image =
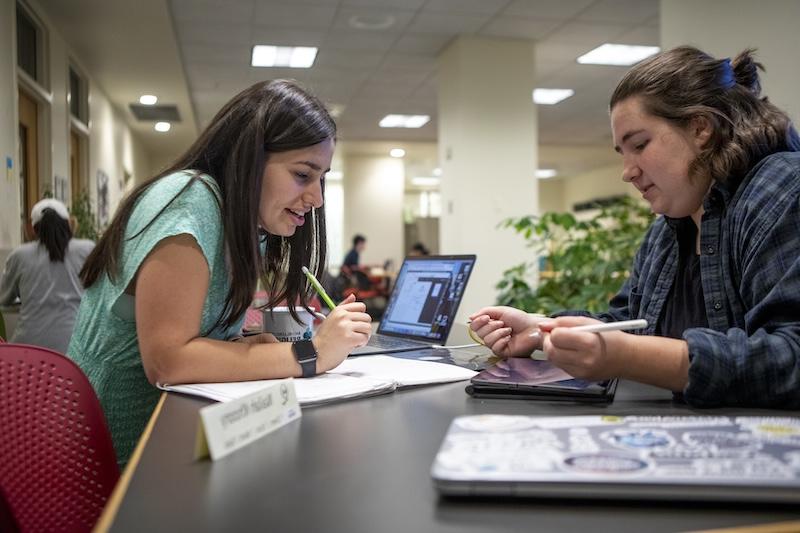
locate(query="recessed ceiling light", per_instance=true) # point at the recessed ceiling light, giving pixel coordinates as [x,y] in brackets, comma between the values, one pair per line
[425,181]
[617,54]
[551,96]
[404,121]
[371,22]
[162,126]
[437,171]
[148,99]
[265,55]
[545,173]
[397,152]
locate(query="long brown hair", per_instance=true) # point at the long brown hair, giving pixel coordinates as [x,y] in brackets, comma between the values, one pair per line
[684,83]
[269,117]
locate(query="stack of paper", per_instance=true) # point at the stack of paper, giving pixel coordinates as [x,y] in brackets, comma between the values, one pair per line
[354,378]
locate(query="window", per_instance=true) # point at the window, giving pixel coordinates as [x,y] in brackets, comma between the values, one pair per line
[29,45]
[78,96]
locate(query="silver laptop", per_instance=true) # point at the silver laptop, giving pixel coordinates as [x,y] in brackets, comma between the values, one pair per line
[423,304]
[688,458]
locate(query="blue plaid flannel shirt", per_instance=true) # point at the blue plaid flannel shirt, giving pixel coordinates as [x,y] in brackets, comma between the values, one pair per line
[750,270]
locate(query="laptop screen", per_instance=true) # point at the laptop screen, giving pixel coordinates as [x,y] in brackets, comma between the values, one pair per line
[425,297]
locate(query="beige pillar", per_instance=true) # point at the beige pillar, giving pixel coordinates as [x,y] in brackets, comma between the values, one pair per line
[373,206]
[723,28]
[488,156]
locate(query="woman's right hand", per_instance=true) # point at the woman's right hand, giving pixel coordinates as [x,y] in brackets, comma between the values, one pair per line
[347,327]
[507,331]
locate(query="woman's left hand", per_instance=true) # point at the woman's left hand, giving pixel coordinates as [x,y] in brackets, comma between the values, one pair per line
[592,356]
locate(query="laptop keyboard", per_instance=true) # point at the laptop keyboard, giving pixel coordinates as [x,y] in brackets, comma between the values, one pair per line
[386,342]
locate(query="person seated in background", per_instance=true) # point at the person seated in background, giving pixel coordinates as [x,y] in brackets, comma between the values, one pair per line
[44,275]
[351,260]
[418,249]
[169,283]
[717,276]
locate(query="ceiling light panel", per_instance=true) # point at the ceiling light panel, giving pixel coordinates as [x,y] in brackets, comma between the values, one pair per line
[265,55]
[617,54]
[404,121]
[546,173]
[551,96]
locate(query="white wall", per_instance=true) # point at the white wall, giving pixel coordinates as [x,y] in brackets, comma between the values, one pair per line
[112,146]
[551,195]
[9,188]
[113,149]
[373,206]
[599,183]
[724,28]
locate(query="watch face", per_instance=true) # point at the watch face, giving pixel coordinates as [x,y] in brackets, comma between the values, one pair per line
[304,349]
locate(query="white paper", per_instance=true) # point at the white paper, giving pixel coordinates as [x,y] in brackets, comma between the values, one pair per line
[354,378]
[310,391]
[404,372]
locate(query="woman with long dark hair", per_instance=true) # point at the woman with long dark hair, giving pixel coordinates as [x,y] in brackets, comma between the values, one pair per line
[43,274]
[718,275]
[170,280]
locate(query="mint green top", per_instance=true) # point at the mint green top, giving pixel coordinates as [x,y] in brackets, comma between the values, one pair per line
[104,342]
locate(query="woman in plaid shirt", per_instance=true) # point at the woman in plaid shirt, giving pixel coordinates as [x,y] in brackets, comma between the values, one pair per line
[718,274]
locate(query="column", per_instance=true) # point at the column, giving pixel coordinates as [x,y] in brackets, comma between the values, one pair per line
[373,206]
[488,156]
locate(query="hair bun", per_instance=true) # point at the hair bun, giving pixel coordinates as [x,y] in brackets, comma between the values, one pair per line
[745,71]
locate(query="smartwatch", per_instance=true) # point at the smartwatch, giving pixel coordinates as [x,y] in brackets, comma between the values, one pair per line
[305,354]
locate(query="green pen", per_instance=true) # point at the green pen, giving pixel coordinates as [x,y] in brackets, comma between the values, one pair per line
[318,287]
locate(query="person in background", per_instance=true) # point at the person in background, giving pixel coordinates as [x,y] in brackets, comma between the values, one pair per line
[170,281]
[351,260]
[418,249]
[43,274]
[718,274]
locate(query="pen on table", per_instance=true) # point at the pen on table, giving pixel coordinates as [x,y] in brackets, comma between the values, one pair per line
[319,289]
[622,325]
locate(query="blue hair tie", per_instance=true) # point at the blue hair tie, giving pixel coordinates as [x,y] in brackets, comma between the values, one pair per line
[727,78]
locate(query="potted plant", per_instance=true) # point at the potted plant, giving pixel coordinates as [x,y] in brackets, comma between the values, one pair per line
[586,261]
[86,226]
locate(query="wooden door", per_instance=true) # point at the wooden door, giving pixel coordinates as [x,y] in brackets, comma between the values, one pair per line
[74,165]
[28,159]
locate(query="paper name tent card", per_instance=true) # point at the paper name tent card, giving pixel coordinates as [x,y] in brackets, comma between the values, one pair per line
[710,458]
[354,378]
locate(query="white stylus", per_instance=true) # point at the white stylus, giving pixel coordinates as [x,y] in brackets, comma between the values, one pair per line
[622,325]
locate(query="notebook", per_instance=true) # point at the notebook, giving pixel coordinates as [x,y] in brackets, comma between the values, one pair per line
[690,458]
[530,379]
[423,304]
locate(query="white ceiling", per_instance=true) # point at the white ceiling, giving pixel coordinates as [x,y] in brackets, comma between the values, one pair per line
[367,73]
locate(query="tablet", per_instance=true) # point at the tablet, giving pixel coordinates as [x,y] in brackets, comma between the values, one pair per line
[529,379]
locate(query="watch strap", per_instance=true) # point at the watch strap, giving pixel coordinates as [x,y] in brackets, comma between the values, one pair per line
[306,355]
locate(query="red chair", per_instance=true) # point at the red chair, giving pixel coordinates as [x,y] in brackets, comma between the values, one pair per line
[57,462]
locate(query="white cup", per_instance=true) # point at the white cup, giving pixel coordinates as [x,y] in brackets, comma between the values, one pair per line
[285,328]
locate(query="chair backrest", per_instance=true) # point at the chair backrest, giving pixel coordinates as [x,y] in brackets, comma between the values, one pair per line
[57,461]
